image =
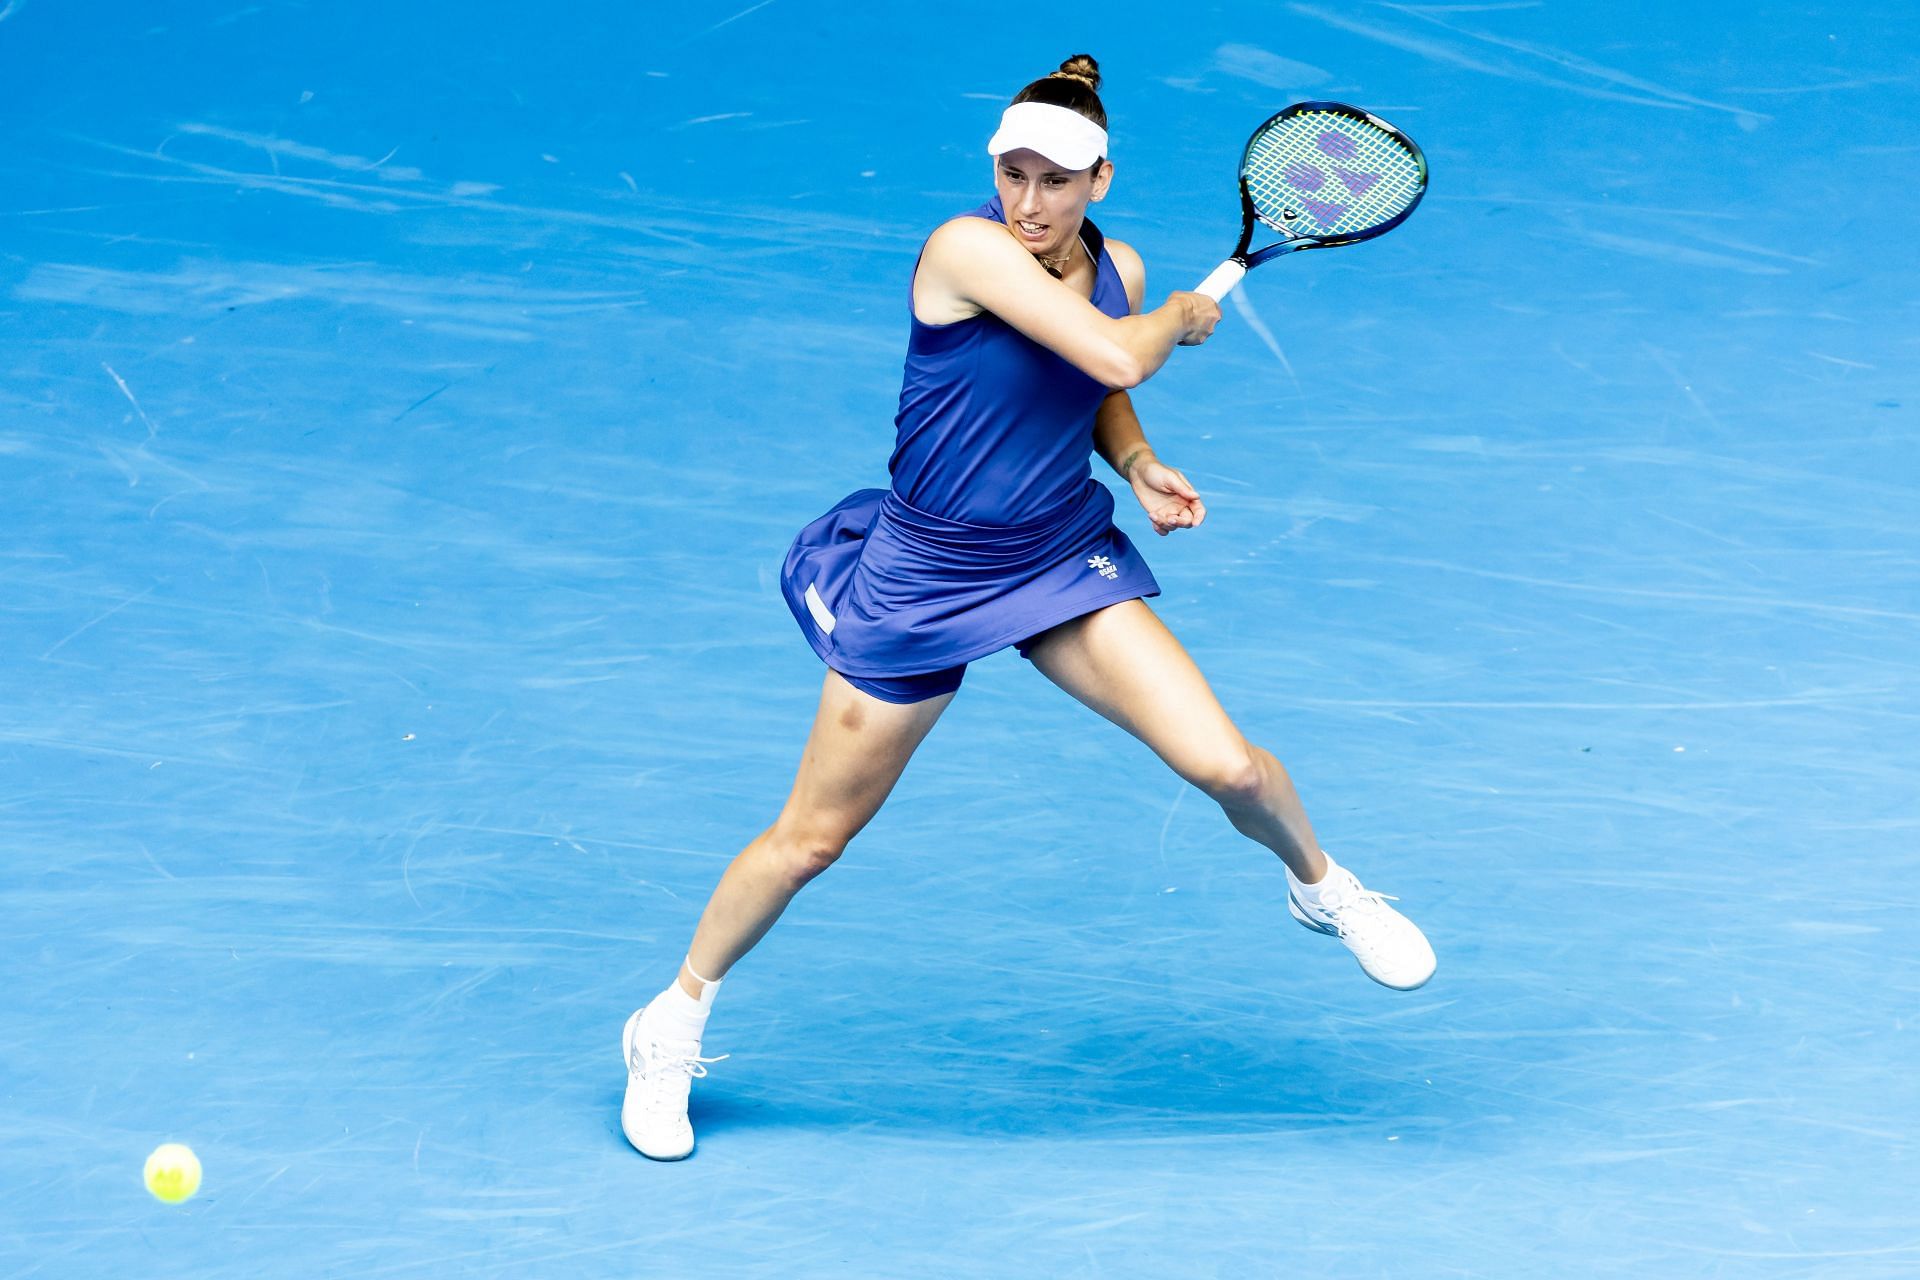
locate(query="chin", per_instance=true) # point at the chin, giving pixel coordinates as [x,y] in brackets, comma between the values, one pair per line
[1053,244]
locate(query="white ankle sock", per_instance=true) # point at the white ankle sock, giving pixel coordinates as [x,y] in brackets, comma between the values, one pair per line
[1310,893]
[678,1015]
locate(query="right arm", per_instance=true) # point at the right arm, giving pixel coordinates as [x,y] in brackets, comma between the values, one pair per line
[974,264]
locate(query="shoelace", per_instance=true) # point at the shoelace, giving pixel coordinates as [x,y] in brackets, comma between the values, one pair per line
[1365,899]
[665,1070]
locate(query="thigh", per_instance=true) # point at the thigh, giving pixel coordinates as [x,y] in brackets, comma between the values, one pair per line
[857,750]
[1123,663]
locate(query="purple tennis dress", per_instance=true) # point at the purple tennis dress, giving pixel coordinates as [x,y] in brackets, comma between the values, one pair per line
[994,528]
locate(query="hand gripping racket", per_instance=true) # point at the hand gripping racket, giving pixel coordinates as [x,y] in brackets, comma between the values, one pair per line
[1321,174]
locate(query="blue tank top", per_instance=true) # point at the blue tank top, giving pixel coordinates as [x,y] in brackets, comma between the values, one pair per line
[993,428]
[994,529]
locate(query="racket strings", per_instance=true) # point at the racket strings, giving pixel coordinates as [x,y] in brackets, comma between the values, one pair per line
[1322,173]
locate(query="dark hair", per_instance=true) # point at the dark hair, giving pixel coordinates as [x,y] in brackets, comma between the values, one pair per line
[1074,86]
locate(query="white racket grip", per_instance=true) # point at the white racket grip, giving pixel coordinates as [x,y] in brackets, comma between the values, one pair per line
[1221,282]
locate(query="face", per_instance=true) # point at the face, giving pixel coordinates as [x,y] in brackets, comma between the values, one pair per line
[1045,204]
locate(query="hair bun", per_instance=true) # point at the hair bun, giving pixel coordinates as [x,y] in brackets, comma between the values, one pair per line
[1080,66]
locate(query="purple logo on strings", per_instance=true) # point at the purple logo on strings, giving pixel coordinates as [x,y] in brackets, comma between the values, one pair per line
[1308,177]
[1305,176]
[1337,145]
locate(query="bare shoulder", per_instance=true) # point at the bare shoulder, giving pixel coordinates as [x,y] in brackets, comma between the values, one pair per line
[961,260]
[966,239]
[1133,272]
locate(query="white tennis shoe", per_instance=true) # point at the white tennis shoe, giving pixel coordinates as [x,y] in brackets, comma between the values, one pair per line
[1390,948]
[659,1076]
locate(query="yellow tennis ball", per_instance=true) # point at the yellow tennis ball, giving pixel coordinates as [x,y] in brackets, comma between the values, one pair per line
[173,1172]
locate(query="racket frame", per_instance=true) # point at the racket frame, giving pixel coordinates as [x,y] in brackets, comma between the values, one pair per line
[1293,241]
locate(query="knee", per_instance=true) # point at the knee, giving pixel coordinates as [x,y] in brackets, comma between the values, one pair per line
[799,852]
[1237,777]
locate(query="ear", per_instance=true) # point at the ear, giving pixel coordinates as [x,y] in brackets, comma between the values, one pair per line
[1102,179]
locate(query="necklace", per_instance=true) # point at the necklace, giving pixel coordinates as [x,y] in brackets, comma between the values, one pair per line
[1056,267]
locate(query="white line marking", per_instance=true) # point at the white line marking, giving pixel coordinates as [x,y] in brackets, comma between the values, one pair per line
[95,622]
[120,382]
[724,21]
[1259,327]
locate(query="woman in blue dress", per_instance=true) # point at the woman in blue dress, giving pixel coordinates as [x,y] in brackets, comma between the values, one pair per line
[1026,332]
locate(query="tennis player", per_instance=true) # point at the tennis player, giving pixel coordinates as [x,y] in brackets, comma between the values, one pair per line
[1026,332]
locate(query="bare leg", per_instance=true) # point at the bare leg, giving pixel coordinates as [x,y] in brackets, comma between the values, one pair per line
[1124,663]
[858,749]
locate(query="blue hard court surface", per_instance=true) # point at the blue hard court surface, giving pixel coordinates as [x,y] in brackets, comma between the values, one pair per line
[405,409]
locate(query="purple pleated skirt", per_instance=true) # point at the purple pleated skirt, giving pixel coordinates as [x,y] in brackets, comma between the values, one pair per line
[883,589]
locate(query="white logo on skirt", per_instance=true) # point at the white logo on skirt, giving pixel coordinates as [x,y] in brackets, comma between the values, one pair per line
[1104,565]
[822,616]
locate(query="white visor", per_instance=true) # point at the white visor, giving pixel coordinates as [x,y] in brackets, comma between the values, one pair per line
[1061,134]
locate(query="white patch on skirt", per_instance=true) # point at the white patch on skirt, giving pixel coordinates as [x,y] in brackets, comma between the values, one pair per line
[818,608]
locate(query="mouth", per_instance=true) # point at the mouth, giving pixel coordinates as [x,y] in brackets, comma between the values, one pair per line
[1031,230]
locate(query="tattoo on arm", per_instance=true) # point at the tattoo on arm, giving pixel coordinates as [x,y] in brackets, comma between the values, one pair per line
[1126,463]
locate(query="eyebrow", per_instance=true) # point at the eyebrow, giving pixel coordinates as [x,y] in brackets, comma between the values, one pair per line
[1045,173]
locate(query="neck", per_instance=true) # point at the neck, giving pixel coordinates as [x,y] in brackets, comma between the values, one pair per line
[1057,267]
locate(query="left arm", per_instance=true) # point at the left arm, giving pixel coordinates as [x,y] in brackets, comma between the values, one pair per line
[1117,436]
[1170,502]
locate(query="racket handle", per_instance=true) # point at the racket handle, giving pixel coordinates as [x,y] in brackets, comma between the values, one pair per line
[1221,282]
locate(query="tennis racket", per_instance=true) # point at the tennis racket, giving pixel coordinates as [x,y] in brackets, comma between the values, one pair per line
[1321,174]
